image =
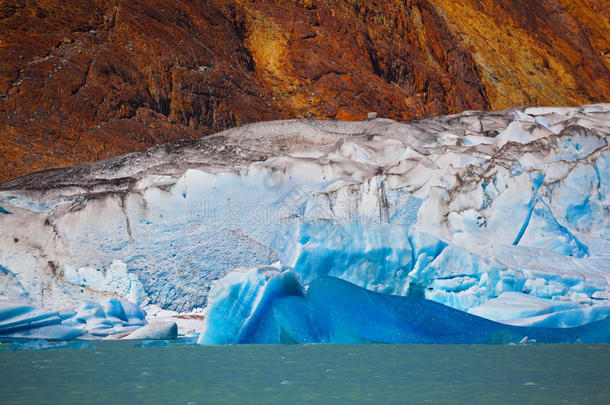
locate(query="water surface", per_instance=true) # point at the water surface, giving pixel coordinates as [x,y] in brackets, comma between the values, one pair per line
[120,372]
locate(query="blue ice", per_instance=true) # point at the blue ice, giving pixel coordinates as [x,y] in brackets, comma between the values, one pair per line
[335,311]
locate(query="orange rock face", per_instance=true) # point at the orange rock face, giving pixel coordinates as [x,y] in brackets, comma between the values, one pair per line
[81,81]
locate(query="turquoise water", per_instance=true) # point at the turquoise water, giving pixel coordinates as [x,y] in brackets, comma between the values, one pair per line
[119,372]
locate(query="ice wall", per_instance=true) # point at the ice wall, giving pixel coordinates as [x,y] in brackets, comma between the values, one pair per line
[463,210]
[270,310]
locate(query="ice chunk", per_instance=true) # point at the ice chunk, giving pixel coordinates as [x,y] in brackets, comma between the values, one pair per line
[238,301]
[50,332]
[89,319]
[155,330]
[8,311]
[19,319]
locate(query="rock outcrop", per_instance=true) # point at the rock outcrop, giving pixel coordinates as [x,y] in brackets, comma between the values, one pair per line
[81,81]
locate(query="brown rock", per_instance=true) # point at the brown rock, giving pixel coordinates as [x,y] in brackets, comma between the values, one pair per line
[81,81]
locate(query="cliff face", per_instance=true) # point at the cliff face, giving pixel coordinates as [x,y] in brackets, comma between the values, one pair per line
[81,81]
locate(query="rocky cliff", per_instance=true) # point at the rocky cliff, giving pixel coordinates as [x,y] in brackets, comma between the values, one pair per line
[81,81]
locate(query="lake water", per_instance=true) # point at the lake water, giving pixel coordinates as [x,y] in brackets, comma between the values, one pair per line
[120,372]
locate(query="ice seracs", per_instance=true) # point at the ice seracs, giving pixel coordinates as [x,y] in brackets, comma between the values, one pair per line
[501,214]
[276,309]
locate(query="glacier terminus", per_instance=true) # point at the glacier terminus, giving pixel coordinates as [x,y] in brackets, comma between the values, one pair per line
[481,227]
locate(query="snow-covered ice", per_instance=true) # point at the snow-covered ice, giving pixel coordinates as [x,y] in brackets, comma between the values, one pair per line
[502,214]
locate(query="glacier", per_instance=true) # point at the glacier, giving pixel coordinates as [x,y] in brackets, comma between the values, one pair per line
[498,215]
[267,305]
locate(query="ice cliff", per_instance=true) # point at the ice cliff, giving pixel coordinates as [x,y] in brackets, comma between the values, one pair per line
[268,305]
[503,215]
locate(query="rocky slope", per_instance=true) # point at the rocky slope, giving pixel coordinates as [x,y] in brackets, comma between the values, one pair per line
[81,81]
